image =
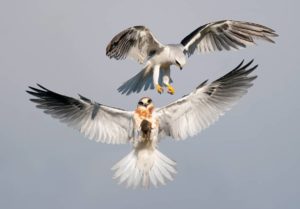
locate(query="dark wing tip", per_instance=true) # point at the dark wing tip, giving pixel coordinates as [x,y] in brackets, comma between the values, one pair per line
[248,64]
[35,91]
[85,99]
[38,91]
[42,87]
[108,49]
[239,65]
[30,92]
[242,70]
[140,27]
[237,81]
[118,46]
[202,84]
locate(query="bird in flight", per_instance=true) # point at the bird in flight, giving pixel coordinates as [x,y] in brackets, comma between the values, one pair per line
[139,43]
[147,125]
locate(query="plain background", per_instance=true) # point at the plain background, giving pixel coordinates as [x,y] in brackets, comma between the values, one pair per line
[248,159]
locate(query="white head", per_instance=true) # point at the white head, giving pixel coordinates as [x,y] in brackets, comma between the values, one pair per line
[177,56]
[145,103]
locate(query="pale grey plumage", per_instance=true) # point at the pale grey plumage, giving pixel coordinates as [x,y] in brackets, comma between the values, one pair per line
[137,42]
[225,35]
[140,44]
[193,113]
[145,165]
[96,121]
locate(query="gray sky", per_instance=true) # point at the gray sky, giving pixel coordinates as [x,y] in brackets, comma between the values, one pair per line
[248,159]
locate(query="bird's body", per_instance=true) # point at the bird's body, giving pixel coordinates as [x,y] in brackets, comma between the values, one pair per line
[147,125]
[139,43]
[145,164]
[161,63]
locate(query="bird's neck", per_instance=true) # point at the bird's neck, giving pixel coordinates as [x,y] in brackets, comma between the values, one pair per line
[144,113]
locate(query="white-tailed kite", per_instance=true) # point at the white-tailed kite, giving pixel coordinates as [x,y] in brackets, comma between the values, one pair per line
[139,43]
[146,125]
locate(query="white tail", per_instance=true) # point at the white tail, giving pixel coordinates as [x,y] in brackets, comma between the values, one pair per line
[144,167]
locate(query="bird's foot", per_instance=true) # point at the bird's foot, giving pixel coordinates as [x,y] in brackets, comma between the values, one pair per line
[171,90]
[159,89]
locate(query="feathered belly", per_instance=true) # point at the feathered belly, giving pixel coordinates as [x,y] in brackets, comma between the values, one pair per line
[161,58]
[146,130]
[145,165]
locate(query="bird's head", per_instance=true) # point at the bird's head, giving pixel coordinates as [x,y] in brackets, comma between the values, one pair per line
[179,58]
[179,64]
[145,104]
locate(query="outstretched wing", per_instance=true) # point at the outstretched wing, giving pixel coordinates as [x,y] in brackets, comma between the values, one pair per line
[225,34]
[96,121]
[191,114]
[136,42]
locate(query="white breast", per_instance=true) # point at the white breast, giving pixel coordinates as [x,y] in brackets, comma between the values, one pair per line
[162,58]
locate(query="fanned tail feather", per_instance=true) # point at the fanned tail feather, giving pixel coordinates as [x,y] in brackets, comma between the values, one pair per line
[144,168]
[141,80]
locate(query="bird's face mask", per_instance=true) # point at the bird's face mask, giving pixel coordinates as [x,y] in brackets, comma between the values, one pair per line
[145,107]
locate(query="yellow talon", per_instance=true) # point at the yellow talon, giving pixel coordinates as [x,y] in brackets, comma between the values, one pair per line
[159,89]
[171,90]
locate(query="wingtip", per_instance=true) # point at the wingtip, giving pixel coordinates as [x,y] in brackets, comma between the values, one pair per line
[42,87]
[251,61]
[202,84]
[247,64]
[239,65]
[29,87]
[33,88]
[28,92]
[127,94]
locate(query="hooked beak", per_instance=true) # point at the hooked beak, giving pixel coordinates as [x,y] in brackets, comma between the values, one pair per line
[180,67]
[178,64]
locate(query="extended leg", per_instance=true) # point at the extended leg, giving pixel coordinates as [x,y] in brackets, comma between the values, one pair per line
[166,81]
[156,72]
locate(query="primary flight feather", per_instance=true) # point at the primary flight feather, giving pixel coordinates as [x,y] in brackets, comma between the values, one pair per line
[146,125]
[139,43]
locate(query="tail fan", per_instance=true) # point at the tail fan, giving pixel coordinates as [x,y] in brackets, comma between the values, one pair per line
[144,168]
[140,80]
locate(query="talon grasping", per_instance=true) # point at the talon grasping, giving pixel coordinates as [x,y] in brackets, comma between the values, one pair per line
[171,90]
[159,89]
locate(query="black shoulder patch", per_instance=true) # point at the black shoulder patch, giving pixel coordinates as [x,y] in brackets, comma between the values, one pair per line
[151,53]
[189,37]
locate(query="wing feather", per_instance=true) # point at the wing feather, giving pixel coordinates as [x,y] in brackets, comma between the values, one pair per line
[136,42]
[226,34]
[96,121]
[198,110]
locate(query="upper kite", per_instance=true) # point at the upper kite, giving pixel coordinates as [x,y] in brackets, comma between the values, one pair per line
[139,43]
